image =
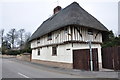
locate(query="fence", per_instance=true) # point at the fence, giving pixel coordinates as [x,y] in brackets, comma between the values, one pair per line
[111,58]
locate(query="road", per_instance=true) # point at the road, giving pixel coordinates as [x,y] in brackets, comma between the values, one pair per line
[0,67]
[11,68]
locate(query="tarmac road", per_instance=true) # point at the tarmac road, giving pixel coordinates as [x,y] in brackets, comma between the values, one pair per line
[12,68]
[15,69]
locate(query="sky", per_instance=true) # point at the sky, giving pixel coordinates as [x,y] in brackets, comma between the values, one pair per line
[119,18]
[29,14]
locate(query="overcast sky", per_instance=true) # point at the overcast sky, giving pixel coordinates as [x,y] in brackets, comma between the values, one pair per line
[119,18]
[29,14]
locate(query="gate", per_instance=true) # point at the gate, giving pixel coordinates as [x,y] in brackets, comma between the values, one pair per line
[111,58]
[81,59]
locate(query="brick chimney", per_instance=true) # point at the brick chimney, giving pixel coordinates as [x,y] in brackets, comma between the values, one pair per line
[57,9]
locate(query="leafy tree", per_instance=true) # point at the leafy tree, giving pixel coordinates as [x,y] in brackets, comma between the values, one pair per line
[112,40]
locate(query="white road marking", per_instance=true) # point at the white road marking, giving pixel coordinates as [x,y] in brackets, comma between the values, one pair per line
[23,75]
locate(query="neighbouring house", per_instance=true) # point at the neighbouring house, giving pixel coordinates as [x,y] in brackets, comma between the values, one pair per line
[62,40]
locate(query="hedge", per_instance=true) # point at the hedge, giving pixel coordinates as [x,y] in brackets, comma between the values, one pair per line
[13,52]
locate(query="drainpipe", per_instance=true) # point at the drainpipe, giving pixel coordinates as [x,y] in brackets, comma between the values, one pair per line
[90,34]
[91,61]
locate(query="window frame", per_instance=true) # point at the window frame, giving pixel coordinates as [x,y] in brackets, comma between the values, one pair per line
[66,30]
[49,36]
[90,31]
[38,52]
[38,41]
[54,51]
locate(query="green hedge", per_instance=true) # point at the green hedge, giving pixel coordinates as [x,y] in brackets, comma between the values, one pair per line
[13,52]
[16,52]
[26,51]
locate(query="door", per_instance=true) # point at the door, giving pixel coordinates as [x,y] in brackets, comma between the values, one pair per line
[81,59]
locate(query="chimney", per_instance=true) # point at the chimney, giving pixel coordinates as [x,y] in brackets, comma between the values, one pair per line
[57,9]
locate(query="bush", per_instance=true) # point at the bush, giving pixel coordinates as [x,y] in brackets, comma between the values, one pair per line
[13,52]
[28,50]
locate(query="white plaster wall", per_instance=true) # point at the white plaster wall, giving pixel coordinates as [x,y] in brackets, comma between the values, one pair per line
[60,36]
[34,54]
[63,55]
[34,44]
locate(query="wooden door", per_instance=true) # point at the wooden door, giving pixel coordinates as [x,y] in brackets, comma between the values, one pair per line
[81,59]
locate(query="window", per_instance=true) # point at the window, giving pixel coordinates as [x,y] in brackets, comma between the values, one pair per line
[38,41]
[49,36]
[90,31]
[38,52]
[54,51]
[66,31]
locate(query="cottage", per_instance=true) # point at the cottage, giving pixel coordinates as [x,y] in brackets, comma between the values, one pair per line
[62,40]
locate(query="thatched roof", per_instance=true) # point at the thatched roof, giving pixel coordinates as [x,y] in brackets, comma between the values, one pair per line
[73,14]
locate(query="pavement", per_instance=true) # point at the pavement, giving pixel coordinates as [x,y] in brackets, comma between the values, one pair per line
[13,68]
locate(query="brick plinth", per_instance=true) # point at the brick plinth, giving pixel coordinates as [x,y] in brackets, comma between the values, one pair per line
[54,64]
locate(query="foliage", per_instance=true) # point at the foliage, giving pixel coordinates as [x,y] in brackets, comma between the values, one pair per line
[12,36]
[12,52]
[1,35]
[5,46]
[26,48]
[112,40]
[15,42]
[21,32]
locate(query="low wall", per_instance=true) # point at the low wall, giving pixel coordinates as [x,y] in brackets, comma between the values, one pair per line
[25,57]
[7,56]
[53,64]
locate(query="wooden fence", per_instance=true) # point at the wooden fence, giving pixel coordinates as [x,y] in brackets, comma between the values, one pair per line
[111,58]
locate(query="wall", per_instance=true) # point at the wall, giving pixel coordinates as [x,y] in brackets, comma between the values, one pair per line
[68,34]
[63,55]
[25,57]
[64,52]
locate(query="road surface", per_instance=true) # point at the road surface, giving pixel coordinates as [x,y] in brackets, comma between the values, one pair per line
[11,68]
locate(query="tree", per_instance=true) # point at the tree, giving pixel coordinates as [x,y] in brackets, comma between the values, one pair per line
[12,35]
[111,41]
[1,35]
[26,45]
[27,36]
[1,39]
[5,46]
[21,32]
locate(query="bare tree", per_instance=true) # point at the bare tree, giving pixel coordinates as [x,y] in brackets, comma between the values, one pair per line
[1,39]
[12,35]
[27,36]
[1,35]
[27,43]
[21,34]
